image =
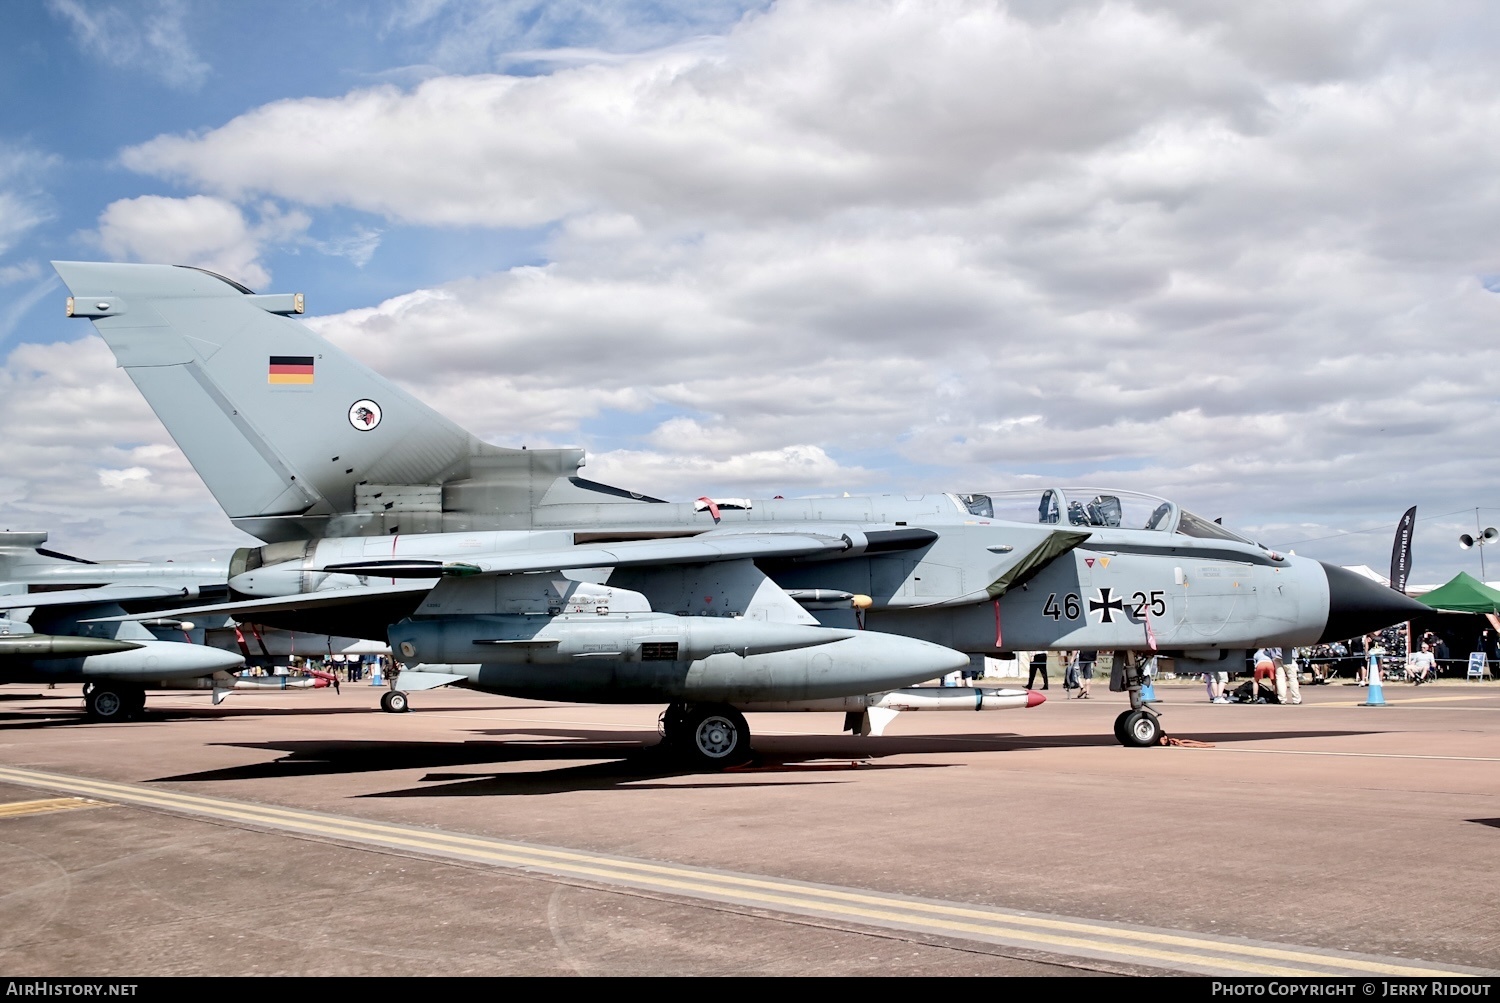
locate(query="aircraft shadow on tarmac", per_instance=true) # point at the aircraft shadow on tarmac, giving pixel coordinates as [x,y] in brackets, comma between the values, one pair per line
[626,759]
[71,713]
[602,760]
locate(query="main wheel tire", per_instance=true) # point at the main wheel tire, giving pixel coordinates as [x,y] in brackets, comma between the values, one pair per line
[1121,723]
[396,702]
[716,737]
[1142,729]
[674,724]
[107,703]
[135,702]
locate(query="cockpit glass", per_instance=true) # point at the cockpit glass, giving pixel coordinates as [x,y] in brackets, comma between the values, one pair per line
[1090,508]
[1193,525]
[979,505]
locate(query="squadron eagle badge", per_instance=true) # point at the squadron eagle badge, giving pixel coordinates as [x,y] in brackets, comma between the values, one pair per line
[364,415]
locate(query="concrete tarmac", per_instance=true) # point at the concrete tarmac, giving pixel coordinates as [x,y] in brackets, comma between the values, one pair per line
[304,832]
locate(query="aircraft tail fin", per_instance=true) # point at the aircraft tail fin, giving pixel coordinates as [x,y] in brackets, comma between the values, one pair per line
[294,438]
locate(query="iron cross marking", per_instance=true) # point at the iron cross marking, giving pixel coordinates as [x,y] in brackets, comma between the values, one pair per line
[1105,604]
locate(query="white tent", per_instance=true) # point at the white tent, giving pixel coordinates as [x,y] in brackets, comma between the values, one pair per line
[1364,570]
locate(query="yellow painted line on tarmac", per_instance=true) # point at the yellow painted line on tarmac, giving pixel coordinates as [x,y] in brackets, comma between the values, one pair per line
[1466,696]
[1174,949]
[16,809]
[1352,755]
[1471,709]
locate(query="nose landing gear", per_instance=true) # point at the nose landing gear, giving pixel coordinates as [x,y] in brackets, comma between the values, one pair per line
[1136,727]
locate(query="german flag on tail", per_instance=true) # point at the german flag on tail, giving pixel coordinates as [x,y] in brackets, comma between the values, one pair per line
[290,369]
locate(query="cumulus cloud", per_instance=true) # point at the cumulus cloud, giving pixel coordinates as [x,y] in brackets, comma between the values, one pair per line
[199,230]
[795,470]
[135,481]
[100,473]
[1132,242]
[1238,257]
[816,108]
[150,37]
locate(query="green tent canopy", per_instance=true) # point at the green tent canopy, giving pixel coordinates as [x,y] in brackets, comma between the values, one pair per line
[1464,594]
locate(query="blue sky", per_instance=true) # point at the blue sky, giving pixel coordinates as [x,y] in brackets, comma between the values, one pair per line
[1238,258]
[71,108]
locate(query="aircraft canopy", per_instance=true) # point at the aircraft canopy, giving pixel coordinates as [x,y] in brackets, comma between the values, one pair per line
[1103,508]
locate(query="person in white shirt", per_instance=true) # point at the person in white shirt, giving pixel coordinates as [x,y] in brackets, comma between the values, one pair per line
[1420,665]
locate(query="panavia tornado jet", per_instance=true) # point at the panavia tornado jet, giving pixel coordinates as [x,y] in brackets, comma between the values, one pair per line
[116,662]
[505,570]
[47,600]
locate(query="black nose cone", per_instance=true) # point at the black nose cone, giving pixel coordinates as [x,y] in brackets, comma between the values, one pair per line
[1357,605]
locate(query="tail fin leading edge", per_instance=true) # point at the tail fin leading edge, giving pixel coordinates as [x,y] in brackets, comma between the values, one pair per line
[294,438]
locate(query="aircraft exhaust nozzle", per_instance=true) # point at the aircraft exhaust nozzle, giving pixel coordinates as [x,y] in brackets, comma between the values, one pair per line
[275,580]
[1358,605]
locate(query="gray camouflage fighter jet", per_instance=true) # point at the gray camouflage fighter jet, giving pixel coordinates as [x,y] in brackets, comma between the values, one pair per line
[506,570]
[118,662]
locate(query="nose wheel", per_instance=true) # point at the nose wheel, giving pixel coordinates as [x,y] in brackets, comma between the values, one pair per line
[1138,728]
[394,702]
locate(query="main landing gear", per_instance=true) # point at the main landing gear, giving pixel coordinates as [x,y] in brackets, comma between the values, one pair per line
[1137,726]
[710,736]
[110,701]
